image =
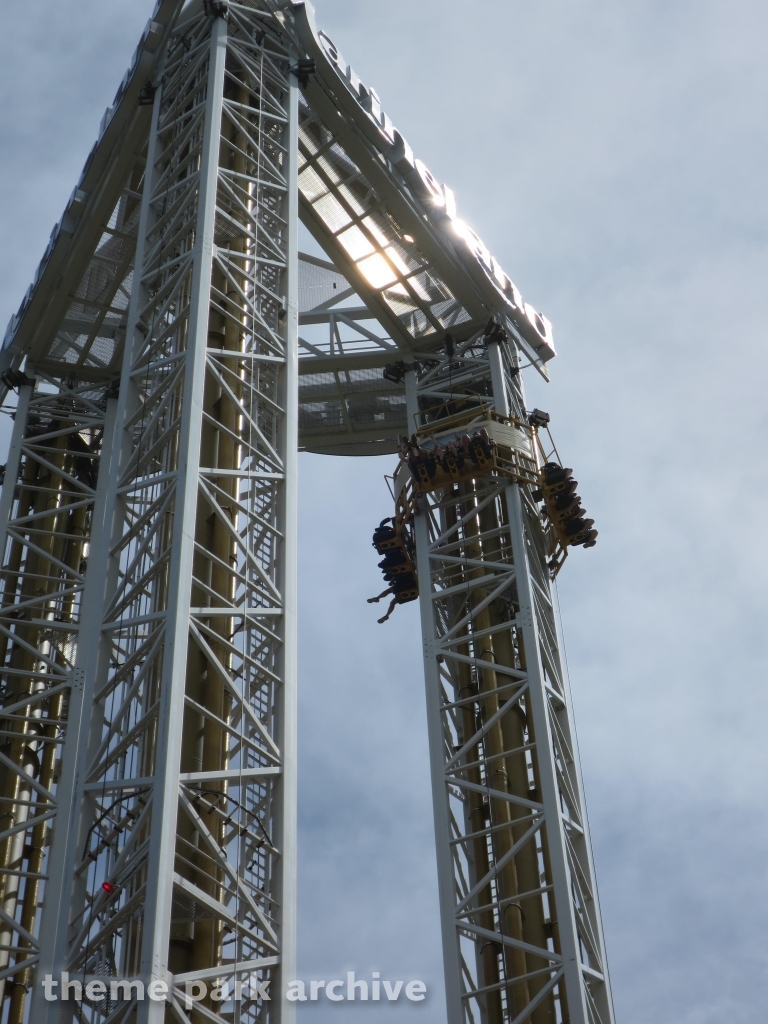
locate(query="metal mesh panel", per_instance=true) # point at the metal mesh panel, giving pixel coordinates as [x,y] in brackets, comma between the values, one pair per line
[365,231]
[91,331]
[318,285]
[352,401]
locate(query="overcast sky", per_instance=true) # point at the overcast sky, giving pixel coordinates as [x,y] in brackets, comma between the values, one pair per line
[612,155]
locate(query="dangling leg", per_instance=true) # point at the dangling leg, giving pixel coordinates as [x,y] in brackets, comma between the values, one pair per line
[385,593]
[389,611]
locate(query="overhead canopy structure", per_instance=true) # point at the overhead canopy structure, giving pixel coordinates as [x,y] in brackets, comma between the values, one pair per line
[173,354]
[404,270]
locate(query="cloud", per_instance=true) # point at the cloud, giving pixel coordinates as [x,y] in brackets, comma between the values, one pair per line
[613,157]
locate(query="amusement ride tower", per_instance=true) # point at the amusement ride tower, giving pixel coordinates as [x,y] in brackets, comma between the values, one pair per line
[173,353]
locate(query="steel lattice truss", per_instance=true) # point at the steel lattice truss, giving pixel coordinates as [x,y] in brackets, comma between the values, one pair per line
[178,799]
[148,543]
[521,927]
[47,508]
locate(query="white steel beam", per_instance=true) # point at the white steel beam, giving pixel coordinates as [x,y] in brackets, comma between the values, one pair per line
[521,928]
[182,794]
[148,610]
[48,508]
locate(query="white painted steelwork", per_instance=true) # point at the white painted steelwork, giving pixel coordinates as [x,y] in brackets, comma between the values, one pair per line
[521,927]
[148,535]
[181,793]
[49,501]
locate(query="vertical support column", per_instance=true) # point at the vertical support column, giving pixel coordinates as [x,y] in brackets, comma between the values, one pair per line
[7,498]
[47,509]
[435,731]
[289,576]
[92,650]
[550,796]
[14,459]
[170,715]
[56,907]
[518,901]
[569,848]
[180,864]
